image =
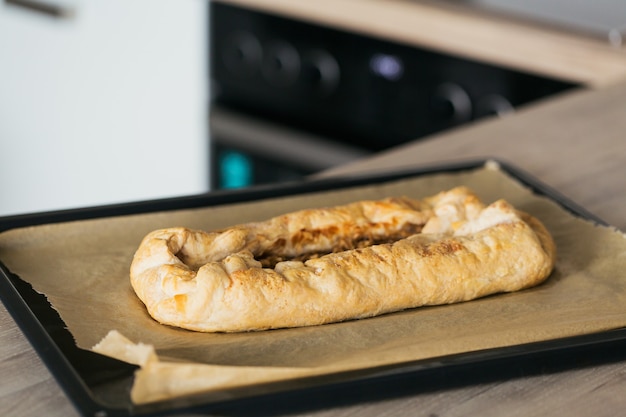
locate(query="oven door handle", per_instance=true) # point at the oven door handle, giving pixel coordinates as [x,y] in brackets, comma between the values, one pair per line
[279,143]
[44,7]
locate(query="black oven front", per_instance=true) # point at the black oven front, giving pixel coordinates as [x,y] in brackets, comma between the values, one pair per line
[291,98]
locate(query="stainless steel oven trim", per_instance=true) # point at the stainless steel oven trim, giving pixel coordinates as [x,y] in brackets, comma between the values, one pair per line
[277,142]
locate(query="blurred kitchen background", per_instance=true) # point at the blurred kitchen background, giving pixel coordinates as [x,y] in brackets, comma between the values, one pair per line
[108,101]
[102,101]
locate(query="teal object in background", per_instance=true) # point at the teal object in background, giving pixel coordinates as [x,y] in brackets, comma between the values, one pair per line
[236,170]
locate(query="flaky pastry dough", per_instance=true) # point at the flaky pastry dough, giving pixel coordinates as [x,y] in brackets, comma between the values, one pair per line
[327,265]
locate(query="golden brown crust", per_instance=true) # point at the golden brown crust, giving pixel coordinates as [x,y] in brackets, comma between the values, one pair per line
[316,266]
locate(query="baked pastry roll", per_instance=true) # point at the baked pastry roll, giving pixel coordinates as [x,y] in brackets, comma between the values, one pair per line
[326,265]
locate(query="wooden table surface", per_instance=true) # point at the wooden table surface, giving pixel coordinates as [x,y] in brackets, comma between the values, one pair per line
[575,143]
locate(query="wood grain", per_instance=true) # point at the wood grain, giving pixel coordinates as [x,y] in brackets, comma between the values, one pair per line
[568,393]
[26,386]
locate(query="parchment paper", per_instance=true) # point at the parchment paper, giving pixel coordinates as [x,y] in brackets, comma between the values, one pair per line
[82,267]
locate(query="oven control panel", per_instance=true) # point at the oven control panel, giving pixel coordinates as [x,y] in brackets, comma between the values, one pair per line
[365,91]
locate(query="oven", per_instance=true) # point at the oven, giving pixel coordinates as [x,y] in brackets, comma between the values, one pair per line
[291,98]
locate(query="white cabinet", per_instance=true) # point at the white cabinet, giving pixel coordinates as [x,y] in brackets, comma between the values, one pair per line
[107,105]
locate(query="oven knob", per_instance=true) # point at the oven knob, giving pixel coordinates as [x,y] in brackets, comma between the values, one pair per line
[493,105]
[451,103]
[241,53]
[281,64]
[320,71]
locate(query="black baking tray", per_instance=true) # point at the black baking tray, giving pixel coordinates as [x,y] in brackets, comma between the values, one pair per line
[99,386]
